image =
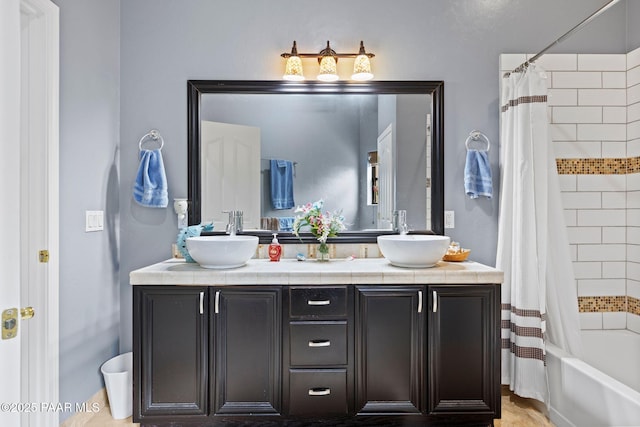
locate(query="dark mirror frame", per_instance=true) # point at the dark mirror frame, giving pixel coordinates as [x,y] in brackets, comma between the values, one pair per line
[435,88]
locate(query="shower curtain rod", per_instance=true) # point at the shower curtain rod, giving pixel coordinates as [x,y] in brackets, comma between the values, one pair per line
[566,35]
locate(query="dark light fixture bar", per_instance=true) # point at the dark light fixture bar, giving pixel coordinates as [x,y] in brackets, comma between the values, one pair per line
[319,54]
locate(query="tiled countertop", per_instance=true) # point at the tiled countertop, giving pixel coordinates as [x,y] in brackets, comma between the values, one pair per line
[311,272]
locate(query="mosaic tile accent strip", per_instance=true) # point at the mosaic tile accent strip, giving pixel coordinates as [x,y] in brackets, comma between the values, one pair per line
[634,305]
[602,304]
[633,165]
[610,166]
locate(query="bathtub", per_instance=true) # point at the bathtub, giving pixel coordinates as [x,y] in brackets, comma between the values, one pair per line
[582,395]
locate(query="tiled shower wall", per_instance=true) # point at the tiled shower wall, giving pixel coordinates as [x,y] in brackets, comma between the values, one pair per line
[594,111]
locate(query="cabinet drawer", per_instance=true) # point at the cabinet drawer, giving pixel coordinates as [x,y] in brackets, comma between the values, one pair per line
[318,343]
[318,301]
[321,391]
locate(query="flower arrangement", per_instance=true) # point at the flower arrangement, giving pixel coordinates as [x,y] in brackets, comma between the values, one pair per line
[321,224]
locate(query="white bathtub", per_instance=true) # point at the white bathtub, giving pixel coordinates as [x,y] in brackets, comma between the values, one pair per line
[583,395]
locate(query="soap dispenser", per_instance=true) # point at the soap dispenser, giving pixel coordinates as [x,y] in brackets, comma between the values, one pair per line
[275,250]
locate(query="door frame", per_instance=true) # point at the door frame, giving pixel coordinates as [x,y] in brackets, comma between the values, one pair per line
[42,339]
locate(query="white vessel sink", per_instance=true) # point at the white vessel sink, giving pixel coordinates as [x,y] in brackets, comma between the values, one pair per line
[222,251]
[413,250]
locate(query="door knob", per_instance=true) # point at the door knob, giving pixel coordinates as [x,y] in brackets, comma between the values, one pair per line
[27,313]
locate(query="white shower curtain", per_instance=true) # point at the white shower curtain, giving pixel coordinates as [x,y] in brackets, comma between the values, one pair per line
[539,299]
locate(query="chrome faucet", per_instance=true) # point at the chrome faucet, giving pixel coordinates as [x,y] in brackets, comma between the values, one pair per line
[235,222]
[400,221]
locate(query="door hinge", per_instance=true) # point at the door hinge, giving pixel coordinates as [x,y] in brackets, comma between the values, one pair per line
[43,255]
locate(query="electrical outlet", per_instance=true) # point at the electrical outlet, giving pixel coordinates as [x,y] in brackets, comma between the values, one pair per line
[449,219]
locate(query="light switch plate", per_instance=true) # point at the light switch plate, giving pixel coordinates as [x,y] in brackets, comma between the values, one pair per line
[94,221]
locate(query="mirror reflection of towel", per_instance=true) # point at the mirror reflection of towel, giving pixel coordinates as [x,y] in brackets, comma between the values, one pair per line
[282,184]
[150,186]
[285,223]
[477,175]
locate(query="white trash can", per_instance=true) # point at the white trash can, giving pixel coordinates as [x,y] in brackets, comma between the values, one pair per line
[118,379]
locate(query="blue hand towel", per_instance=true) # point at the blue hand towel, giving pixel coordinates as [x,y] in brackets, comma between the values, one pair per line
[286,223]
[477,175]
[150,187]
[282,184]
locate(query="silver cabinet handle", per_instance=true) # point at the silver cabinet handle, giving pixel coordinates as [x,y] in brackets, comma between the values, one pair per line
[319,302]
[201,302]
[217,303]
[323,343]
[319,391]
[435,301]
[419,301]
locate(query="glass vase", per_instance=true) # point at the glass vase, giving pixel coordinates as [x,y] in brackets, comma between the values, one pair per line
[323,252]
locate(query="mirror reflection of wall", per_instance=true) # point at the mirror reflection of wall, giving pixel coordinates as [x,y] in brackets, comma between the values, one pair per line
[328,137]
[409,115]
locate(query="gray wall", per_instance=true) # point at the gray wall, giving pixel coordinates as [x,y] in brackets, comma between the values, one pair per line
[89,135]
[633,24]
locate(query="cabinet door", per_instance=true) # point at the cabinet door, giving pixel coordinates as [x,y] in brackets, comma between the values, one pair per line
[247,353]
[170,351]
[464,352]
[389,355]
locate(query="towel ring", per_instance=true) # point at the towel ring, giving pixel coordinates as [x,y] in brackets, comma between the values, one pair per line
[476,136]
[153,135]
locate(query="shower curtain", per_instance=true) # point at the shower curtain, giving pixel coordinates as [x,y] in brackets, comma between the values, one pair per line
[539,297]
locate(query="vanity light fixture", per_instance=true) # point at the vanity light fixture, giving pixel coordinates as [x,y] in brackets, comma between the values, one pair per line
[328,58]
[293,69]
[328,65]
[362,65]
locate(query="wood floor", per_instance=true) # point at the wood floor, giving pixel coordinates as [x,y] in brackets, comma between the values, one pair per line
[516,412]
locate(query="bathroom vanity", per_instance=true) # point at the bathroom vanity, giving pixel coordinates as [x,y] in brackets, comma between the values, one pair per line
[348,342]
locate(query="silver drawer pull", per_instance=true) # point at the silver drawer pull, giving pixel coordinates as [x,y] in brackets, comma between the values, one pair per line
[319,302]
[322,343]
[319,391]
[435,301]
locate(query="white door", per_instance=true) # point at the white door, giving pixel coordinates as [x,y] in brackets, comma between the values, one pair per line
[230,165]
[10,213]
[29,172]
[386,179]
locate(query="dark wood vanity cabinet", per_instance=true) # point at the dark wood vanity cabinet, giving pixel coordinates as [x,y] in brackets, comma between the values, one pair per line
[389,349]
[464,350]
[171,361]
[318,378]
[246,347]
[354,354]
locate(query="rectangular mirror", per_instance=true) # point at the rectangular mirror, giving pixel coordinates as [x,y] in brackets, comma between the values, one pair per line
[324,134]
